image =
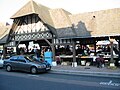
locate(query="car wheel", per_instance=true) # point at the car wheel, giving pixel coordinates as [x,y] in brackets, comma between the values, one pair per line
[8,68]
[33,70]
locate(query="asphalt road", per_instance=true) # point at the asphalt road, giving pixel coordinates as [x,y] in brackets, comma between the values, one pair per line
[49,81]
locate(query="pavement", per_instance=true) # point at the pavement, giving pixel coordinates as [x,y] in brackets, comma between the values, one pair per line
[86,71]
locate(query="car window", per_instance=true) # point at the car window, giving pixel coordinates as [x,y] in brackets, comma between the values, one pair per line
[21,57]
[28,58]
[13,59]
[20,60]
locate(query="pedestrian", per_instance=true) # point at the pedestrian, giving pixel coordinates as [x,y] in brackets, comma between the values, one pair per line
[38,54]
[58,60]
[100,61]
[35,50]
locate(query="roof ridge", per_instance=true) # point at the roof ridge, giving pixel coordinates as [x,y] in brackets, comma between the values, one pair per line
[28,8]
[33,9]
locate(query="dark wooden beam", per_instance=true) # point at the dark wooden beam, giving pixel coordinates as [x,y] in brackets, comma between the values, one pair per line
[74,51]
[4,51]
[53,49]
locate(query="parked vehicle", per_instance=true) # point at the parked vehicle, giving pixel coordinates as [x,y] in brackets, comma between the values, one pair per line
[1,52]
[1,61]
[24,63]
[48,66]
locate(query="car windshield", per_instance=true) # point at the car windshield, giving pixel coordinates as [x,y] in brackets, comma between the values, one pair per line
[28,58]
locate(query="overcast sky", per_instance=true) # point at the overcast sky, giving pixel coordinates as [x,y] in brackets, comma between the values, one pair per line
[10,7]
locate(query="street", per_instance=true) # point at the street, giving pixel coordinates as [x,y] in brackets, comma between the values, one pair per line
[50,81]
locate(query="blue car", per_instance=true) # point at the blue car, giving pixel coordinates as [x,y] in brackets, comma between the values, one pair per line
[25,63]
[35,58]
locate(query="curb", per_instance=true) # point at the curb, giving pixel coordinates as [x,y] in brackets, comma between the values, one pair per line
[86,73]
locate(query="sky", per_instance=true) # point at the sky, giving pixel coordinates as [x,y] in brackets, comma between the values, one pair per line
[10,7]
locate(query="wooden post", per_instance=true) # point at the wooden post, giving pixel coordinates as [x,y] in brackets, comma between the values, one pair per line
[95,48]
[74,52]
[53,49]
[111,51]
[74,63]
[27,44]
[4,51]
[17,49]
[112,64]
[119,48]
[94,41]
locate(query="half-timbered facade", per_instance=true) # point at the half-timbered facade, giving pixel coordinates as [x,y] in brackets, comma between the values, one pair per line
[31,27]
[37,23]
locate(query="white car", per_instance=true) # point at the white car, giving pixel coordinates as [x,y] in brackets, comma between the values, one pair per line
[1,61]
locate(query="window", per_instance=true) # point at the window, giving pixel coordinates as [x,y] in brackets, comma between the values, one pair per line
[14,58]
[20,60]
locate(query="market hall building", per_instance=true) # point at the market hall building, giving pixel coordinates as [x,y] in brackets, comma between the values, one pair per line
[55,27]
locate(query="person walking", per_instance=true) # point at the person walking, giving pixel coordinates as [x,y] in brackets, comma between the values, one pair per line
[100,61]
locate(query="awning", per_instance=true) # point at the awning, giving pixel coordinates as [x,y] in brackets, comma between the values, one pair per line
[107,42]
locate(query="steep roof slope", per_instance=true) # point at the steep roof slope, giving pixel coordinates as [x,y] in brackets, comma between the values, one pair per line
[25,10]
[4,33]
[99,23]
[57,18]
[60,18]
[90,24]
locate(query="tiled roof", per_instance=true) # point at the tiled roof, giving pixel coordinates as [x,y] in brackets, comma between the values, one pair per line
[99,23]
[90,24]
[57,18]
[4,33]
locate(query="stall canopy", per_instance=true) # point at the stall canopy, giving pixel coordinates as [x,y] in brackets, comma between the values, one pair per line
[107,42]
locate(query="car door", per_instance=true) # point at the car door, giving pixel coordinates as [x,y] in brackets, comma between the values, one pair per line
[14,63]
[23,64]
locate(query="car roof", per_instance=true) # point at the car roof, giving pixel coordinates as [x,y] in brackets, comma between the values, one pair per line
[17,57]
